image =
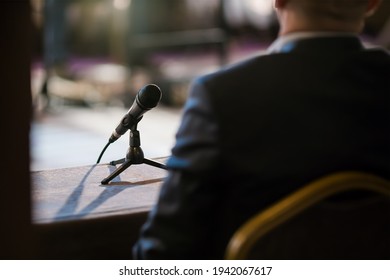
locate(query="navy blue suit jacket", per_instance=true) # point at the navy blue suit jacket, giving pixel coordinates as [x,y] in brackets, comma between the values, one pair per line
[256,131]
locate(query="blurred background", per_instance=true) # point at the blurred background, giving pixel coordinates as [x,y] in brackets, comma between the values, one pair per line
[91,57]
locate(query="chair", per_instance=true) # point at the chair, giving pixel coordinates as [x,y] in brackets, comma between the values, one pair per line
[344,215]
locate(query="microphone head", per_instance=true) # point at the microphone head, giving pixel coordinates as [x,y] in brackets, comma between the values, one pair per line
[148,97]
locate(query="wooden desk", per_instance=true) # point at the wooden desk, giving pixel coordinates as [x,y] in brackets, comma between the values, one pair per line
[78,218]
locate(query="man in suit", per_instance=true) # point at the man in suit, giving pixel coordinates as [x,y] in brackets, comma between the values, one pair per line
[316,103]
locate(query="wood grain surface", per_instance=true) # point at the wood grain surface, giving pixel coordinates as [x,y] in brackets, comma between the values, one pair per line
[76,193]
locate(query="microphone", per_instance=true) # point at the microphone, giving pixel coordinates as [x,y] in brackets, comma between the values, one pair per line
[146,99]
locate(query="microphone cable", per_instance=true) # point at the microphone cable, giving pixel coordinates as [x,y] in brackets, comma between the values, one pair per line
[101,154]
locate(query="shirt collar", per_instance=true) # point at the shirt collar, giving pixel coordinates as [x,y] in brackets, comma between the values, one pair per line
[283,42]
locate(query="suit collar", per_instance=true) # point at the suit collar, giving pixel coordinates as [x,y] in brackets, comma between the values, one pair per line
[316,41]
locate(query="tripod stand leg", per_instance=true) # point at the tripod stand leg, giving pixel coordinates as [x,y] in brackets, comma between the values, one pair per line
[154,163]
[118,171]
[119,161]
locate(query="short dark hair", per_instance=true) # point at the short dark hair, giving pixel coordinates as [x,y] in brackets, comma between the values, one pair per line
[340,10]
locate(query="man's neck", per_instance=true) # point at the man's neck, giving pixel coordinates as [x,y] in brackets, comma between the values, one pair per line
[291,23]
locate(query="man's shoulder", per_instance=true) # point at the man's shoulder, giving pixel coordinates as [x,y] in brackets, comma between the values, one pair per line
[259,63]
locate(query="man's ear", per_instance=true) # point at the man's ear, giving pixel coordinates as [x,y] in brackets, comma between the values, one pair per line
[280,3]
[372,6]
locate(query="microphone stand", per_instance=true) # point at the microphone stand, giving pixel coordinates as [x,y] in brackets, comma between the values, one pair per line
[134,155]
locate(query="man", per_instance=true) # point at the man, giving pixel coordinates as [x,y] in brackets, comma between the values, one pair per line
[317,103]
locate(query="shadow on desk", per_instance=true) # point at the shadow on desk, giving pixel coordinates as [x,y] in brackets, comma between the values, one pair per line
[75,217]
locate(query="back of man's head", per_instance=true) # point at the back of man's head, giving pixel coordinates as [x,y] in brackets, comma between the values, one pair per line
[339,10]
[336,15]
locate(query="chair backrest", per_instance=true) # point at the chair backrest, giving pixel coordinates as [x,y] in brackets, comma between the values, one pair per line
[313,223]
